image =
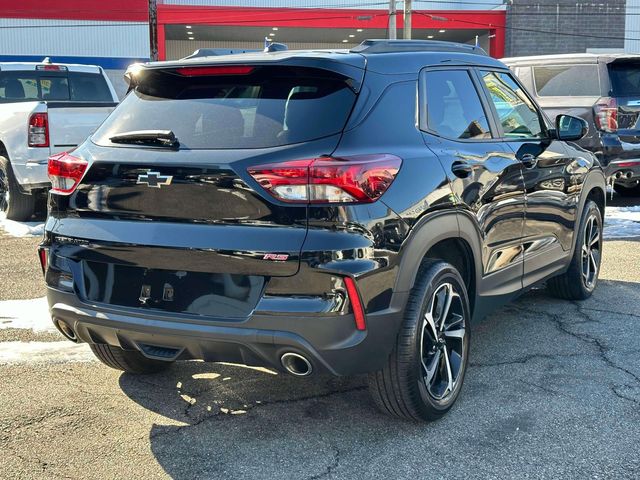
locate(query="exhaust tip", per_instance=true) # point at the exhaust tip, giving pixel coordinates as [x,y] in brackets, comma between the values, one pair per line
[628,175]
[66,330]
[296,364]
[618,175]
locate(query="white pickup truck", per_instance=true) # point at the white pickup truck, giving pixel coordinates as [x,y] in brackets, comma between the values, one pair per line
[45,108]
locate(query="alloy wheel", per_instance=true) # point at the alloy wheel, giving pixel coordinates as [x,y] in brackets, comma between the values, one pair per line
[591,247]
[442,342]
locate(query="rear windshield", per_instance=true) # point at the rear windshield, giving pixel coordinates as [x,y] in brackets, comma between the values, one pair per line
[567,81]
[268,107]
[625,79]
[24,86]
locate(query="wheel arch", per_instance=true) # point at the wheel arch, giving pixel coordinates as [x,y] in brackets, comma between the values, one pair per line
[593,188]
[448,236]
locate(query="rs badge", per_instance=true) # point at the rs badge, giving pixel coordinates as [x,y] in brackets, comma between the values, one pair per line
[276,257]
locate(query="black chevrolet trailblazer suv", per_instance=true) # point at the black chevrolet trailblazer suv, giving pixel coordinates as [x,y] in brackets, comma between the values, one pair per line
[340,212]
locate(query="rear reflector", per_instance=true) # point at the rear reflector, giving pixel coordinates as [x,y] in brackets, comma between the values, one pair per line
[627,164]
[357,179]
[65,172]
[38,132]
[217,70]
[42,254]
[356,304]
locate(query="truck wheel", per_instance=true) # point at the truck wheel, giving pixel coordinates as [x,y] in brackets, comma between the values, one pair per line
[130,361]
[579,282]
[13,203]
[627,191]
[425,371]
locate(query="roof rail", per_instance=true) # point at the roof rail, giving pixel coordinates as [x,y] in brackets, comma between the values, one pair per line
[391,46]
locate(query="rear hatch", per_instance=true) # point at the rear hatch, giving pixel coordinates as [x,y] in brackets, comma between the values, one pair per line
[624,75]
[178,213]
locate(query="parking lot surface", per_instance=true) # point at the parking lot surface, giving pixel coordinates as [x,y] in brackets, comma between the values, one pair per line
[553,391]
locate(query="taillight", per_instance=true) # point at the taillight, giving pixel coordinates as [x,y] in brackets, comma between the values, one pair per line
[65,172]
[38,134]
[356,304]
[42,255]
[606,114]
[357,179]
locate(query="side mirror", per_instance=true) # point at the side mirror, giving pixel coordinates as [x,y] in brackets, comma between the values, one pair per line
[569,128]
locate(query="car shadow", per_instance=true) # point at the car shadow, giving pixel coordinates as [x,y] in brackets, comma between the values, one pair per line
[229,421]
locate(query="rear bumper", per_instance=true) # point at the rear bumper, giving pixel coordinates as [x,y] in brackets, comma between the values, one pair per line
[620,159]
[624,171]
[32,174]
[330,342]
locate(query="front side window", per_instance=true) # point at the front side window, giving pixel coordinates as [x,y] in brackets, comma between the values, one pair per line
[519,117]
[453,107]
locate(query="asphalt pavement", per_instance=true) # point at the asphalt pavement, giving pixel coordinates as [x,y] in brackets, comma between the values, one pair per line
[553,391]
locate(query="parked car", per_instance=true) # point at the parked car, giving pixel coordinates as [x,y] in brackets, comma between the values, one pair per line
[45,108]
[604,89]
[337,212]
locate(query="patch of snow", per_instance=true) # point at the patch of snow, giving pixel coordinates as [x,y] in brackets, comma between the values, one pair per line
[26,314]
[622,222]
[21,229]
[49,352]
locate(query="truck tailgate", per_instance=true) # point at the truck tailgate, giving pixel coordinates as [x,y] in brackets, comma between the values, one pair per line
[71,123]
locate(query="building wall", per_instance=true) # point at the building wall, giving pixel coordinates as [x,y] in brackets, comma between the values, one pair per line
[632,27]
[372,5]
[546,27]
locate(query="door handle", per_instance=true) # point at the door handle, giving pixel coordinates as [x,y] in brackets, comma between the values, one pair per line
[529,160]
[461,169]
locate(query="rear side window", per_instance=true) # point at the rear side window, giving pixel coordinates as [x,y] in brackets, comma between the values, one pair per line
[453,107]
[267,107]
[519,117]
[625,79]
[567,81]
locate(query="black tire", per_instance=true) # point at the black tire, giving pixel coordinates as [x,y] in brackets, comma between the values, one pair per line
[627,191]
[402,388]
[13,203]
[130,361]
[581,279]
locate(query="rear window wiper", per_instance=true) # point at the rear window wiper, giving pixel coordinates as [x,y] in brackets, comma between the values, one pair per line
[154,138]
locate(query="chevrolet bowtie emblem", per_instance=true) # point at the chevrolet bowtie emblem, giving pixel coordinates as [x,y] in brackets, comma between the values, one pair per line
[154,179]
